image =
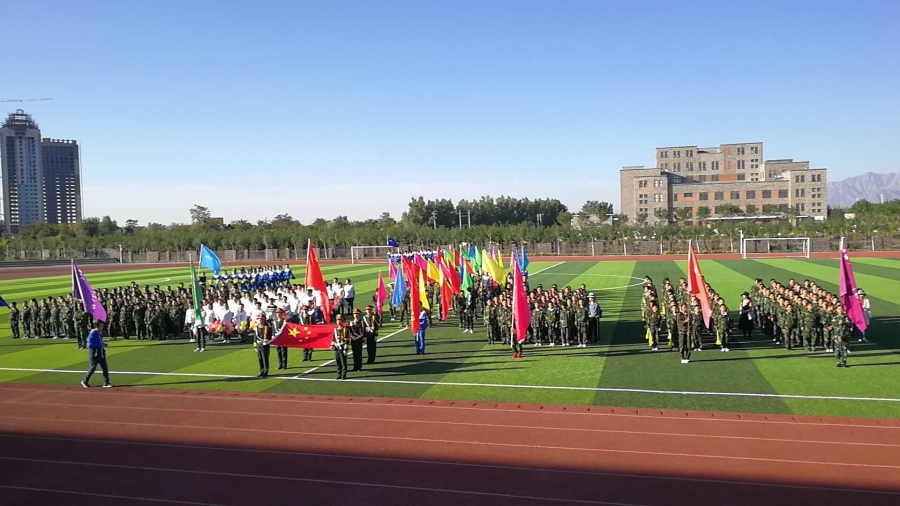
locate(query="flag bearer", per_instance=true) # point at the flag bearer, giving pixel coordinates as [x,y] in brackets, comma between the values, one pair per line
[263,336]
[282,351]
[370,330]
[841,331]
[685,329]
[339,342]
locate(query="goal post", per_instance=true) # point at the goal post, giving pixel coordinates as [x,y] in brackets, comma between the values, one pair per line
[775,247]
[370,254]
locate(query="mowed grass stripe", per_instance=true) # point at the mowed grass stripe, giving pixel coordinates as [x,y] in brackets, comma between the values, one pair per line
[880,272]
[539,366]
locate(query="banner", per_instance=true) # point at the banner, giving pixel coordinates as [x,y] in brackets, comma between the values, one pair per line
[316,337]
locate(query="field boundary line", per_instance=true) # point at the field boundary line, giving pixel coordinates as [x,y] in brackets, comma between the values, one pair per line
[332,360]
[546,269]
[487,385]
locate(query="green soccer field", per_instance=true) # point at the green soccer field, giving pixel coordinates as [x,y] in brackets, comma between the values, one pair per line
[756,376]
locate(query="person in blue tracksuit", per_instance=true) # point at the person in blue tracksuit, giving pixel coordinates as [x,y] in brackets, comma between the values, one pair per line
[97,356]
[420,335]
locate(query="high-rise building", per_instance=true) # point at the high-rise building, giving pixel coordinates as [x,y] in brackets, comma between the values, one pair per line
[22,172]
[62,180]
[729,182]
[41,178]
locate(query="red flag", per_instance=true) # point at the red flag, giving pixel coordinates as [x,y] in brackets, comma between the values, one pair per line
[452,278]
[316,281]
[849,299]
[521,312]
[410,270]
[697,285]
[305,336]
[456,258]
[446,296]
[392,269]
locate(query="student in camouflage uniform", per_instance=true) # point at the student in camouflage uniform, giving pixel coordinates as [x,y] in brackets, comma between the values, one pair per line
[113,321]
[14,317]
[491,317]
[790,326]
[125,320]
[652,324]
[26,320]
[551,321]
[841,331]
[697,329]
[723,327]
[566,323]
[685,326]
[44,321]
[504,318]
[808,327]
[581,324]
[55,322]
[537,323]
[139,314]
[672,325]
[828,330]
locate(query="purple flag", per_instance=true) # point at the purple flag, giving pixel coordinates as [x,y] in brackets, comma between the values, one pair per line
[82,290]
[848,293]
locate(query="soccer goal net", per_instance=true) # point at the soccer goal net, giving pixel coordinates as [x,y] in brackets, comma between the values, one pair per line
[370,254]
[775,247]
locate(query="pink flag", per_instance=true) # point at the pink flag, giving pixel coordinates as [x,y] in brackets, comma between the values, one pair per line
[381,294]
[421,263]
[848,293]
[392,269]
[521,313]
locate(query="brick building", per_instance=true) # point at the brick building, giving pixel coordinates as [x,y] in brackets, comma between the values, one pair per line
[732,181]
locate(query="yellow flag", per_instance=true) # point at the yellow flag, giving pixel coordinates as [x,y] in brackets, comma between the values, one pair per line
[500,261]
[423,296]
[490,266]
[433,273]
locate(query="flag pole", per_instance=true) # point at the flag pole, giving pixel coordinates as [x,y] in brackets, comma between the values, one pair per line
[841,247]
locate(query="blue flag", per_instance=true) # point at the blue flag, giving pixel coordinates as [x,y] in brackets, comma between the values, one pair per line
[523,261]
[392,242]
[209,259]
[399,294]
[471,252]
[3,303]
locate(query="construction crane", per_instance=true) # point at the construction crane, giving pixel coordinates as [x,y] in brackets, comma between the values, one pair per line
[25,99]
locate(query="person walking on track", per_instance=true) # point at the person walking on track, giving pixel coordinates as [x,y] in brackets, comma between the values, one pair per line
[97,356]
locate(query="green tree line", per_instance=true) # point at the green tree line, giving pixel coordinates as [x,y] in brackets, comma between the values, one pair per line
[509,224]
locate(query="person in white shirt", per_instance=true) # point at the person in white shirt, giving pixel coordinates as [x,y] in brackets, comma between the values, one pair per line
[241,317]
[867,311]
[189,320]
[255,311]
[349,295]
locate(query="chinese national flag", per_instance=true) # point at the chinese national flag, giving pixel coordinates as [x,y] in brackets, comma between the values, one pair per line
[316,281]
[305,336]
[697,285]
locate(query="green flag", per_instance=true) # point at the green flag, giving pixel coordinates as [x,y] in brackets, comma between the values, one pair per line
[476,262]
[195,292]
[467,278]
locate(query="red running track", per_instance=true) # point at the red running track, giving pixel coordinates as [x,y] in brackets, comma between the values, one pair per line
[62,445]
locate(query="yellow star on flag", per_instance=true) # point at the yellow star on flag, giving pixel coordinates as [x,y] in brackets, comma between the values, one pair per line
[293,332]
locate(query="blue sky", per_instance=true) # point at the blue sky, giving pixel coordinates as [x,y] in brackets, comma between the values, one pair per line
[318,109]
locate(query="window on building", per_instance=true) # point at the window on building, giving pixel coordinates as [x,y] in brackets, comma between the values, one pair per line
[676,154]
[674,197]
[741,165]
[754,176]
[799,179]
[800,207]
[703,196]
[702,179]
[754,150]
[677,167]
[701,166]
[689,153]
[665,166]
[799,193]
[740,151]
[657,197]
[735,195]
[642,183]
[714,177]
[689,166]
[782,194]
[714,165]
[688,195]
[663,154]
[767,194]
[750,209]
[719,196]
[772,174]
[751,194]
[754,163]
[741,177]
[782,208]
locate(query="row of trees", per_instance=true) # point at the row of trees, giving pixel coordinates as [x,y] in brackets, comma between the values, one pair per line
[285,232]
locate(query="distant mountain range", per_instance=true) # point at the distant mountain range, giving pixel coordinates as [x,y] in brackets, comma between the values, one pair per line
[869,186]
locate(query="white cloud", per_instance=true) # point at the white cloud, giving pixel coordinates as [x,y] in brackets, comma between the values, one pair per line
[306,201]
